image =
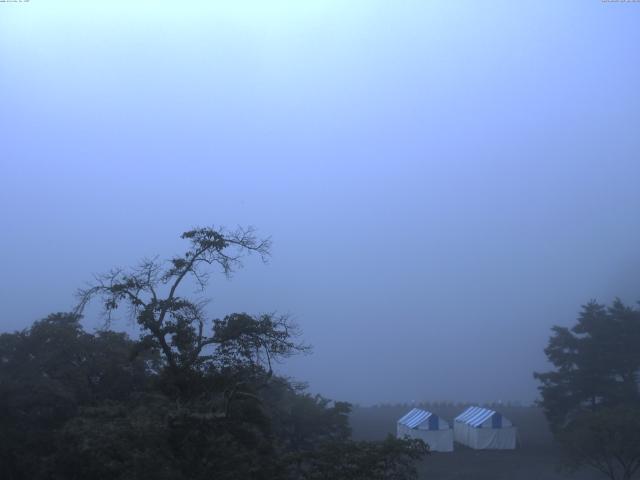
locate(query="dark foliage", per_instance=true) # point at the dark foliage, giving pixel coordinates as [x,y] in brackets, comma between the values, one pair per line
[48,373]
[592,399]
[389,459]
[607,440]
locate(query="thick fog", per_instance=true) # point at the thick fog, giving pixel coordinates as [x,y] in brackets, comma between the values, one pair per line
[442,181]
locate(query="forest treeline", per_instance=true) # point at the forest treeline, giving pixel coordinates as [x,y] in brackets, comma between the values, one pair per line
[78,405]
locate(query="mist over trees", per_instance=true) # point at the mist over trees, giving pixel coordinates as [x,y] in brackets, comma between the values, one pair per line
[189,399]
[199,398]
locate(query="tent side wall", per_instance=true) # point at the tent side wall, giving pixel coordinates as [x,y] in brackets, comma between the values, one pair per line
[485,438]
[494,438]
[461,433]
[403,430]
[438,440]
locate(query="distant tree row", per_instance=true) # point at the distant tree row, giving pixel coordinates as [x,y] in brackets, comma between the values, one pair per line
[429,405]
[189,399]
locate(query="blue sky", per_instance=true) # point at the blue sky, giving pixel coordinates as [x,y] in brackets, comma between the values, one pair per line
[443,181]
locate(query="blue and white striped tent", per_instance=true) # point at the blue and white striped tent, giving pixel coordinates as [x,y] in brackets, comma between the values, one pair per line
[483,428]
[428,427]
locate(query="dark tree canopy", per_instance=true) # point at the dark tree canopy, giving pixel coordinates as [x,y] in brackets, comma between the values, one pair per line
[607,439]
[48,373]
[594,388]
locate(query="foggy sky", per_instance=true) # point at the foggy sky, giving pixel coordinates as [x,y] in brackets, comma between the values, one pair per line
[442,181]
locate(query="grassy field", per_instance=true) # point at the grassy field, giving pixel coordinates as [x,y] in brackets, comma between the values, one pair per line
[536,457]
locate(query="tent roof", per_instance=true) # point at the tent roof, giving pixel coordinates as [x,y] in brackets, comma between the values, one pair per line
[475,416]
[415,417]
